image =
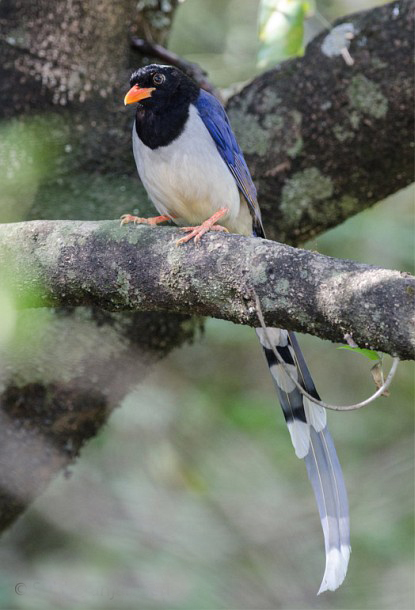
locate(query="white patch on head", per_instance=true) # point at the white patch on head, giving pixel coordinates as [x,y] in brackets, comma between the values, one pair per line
[337,561]
[300,437]
[188,179]
[315,414]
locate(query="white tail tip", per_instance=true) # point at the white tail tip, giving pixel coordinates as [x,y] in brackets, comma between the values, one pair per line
[336,568]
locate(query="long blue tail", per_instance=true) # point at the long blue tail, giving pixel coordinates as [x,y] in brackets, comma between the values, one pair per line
[312,442]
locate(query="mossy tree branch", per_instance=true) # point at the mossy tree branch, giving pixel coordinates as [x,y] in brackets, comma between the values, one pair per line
[66,263]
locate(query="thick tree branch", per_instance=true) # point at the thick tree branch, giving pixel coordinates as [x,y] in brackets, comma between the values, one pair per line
[142,269]
[324,139]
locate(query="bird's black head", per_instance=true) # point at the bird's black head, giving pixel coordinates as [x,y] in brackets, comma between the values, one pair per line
[164,95]
[160,88]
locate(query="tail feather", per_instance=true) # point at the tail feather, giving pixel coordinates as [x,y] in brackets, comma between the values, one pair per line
[326,478]
[307,424]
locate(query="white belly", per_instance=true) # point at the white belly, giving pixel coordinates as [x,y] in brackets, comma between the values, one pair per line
[188,179]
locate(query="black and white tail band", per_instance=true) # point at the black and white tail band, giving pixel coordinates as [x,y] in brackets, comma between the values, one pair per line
[312,442]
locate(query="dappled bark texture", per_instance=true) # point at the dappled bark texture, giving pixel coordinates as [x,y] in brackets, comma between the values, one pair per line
[324,139]
[143,269]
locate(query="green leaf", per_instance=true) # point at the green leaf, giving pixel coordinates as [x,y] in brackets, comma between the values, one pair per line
[281,29]
[368,353]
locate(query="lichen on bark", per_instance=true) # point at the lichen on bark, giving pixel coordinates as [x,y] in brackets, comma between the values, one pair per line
[352,126]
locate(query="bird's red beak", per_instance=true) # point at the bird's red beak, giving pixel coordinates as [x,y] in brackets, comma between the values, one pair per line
[136,94]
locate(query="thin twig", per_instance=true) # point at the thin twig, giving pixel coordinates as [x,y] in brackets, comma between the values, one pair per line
[191,69]
[358,405]
[347,57]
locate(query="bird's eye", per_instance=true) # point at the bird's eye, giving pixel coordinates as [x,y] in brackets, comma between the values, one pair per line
[158,79]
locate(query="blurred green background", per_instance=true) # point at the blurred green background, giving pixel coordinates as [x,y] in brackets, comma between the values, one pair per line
[192,498]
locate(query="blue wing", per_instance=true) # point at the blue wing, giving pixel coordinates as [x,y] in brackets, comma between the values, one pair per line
[216,121]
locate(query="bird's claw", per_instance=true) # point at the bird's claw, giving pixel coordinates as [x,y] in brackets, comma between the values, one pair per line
[197,232]
[208,225]
[127,218]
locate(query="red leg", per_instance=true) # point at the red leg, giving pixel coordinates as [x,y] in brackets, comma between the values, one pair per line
[208,225]
[155,220]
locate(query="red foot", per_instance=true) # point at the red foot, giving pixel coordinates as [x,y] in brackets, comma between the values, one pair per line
[208,225]
[126,218]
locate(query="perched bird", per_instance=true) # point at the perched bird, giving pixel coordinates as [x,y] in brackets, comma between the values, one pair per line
[191,165]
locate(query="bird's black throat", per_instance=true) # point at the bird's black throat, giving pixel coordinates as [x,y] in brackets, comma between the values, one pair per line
[157,129]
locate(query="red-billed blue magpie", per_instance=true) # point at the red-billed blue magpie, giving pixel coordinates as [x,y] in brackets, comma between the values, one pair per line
[194,172]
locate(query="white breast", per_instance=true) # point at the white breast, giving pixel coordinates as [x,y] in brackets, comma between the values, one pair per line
[188,179]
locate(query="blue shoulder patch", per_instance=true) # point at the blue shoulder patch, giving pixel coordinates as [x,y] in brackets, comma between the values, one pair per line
[216,121]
